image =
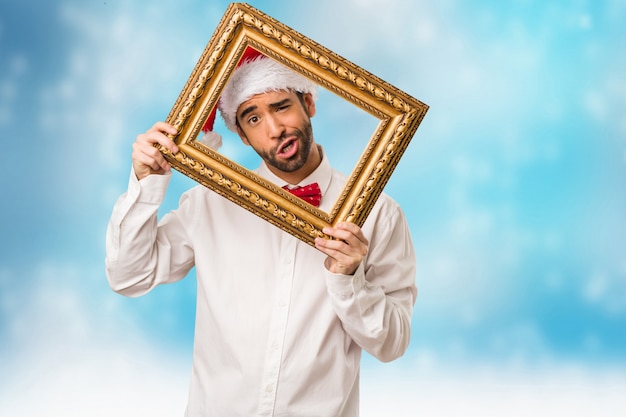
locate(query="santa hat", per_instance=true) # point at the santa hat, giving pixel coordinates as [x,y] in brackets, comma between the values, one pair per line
[255,74]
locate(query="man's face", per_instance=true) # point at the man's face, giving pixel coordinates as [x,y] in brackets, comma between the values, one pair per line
[277,125]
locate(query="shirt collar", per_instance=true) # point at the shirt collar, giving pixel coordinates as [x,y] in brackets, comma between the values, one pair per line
[322,174]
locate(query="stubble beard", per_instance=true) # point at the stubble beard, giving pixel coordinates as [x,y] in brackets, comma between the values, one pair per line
[305,139]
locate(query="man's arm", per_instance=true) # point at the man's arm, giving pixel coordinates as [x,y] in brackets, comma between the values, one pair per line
[372,284]
[140,253]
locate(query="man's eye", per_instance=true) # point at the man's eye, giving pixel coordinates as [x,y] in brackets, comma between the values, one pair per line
[253,119]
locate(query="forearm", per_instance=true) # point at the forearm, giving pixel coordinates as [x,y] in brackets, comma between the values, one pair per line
[375,304]
[379,322]
[140,254]
[131,255]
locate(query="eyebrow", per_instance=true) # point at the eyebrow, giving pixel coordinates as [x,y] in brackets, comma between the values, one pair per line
[247,110]
[280,103]
[276,105]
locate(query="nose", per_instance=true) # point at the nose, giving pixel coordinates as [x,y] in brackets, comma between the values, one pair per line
[275,126]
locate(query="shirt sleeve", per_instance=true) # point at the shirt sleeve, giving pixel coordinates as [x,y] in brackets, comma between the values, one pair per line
[375,304]
[140,252]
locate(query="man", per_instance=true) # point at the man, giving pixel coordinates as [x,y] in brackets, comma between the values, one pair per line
[280,325]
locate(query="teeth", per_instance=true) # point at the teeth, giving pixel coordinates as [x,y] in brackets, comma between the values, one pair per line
[286,148]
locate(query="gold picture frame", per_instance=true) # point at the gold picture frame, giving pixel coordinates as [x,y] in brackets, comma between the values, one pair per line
[243,26]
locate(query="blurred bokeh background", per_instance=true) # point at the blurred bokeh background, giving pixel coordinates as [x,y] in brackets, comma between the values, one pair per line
[514,188]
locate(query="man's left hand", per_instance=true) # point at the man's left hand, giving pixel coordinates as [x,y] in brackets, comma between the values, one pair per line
[346,252]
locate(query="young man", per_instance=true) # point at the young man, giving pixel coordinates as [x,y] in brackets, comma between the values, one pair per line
[280,325]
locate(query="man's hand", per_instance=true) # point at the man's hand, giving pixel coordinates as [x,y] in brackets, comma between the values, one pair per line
[147,159]
[347,251]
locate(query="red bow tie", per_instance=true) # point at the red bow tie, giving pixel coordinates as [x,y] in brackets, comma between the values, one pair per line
[310,193]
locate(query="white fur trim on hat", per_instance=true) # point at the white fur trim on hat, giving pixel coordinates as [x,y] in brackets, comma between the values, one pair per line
[211,139]
[257,76]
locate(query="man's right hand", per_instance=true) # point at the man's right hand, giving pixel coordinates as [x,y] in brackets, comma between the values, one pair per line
[147,159]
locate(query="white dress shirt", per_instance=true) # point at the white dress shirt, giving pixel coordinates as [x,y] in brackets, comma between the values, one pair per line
[276,333]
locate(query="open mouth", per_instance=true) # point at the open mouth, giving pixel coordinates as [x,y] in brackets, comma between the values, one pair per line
[288,148]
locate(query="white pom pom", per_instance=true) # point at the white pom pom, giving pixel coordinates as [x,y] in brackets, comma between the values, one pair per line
[211,139]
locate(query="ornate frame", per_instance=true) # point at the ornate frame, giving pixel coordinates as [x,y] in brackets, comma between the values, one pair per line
[243,26]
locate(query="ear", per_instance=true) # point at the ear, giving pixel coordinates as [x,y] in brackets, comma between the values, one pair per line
[309,104]
[243,136]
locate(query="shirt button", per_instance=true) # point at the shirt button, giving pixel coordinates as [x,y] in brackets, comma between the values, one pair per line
[269,388]
[275,345]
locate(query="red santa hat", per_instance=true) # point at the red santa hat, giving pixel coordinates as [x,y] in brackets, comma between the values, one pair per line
[255,74]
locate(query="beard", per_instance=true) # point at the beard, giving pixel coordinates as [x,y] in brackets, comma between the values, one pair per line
[304,137]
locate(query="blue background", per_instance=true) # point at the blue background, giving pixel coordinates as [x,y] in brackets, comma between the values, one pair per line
[513,187]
